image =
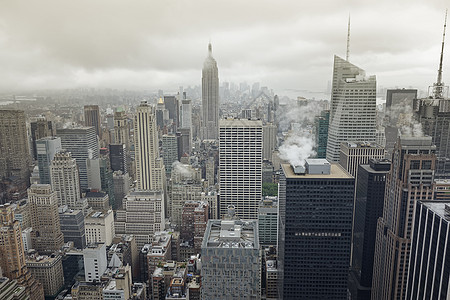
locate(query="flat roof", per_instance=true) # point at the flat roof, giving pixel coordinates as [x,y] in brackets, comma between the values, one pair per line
[231,234]
[337,171]
[439,209]
[239,123]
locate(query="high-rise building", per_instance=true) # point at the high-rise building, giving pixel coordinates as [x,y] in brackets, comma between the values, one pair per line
[72,226]
[173,107]
[268,221]
[65,179]
[46,148]
[48,270]
[12,255]
[353,154]
[186,114]
[314,233]
[240,166]
[92,118]
[409,181]
[149,166]
[95,262]
[231,260]
[269,141]
[210,98]
[430,266]
[121,129]
[44,218]
[322,123]
[83,144]
[184,140]
[121,188]
[169,151]
[142,215]
[193,223]
[14,151]
[118,157]
[353,107]
[368,207]
[99,227]
[39,129]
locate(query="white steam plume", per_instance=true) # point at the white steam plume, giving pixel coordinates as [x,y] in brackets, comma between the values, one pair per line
[403,116]
[297,147]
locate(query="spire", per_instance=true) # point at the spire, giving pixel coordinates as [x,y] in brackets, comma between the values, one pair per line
[439,85]
[348,39]
[210,49]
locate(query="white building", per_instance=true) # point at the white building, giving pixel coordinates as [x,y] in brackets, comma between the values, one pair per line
[353,107]
[65,179]
[26,238]
[240,166]
[99,227]
[95,261]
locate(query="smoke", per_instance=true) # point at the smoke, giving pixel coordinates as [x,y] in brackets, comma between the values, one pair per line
[297,147]
[181,169]
[300,141]
[401,115]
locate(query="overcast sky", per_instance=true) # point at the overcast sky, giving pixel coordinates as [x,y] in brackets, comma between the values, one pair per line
[161,44]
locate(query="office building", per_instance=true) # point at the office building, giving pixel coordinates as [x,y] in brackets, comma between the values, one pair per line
[65,179]
[72,226]
[410,180]
[121,187]
[48,270]
[92,118]
[268,221]
[98,200]
[11,290]
[240,166]
[210,98]
[39,129]
[44,218]
[149,166]
[184,140]
[322,122]
[142,215]
[121,128]
[368,207]
[315,226]
[118,157]
[106,178]
[169,151]
[186,114]
[83,144]
[231,260]
[193,223]
[353,107]
[99,227]
[354,154]
[14,152]
[173,107]
[430,265]
[269,140]
[46,148]
[95,262]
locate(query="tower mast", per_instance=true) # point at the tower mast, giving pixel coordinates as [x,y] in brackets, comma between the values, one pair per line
[348,39]
[439,85]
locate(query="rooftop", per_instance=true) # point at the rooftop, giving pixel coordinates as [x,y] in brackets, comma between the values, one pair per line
[441,208]
[231,234]
[336,172]
[227,123]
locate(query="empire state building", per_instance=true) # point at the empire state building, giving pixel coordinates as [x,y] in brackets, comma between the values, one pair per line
[210,98]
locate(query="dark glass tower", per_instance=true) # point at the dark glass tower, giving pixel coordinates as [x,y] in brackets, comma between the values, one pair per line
[371,182]
[315,211]
[322,122]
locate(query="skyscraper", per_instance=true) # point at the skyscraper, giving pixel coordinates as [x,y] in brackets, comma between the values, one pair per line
[354,153]
[46,148]
[240,166]
[65,179]
[369,201]
[149,166]
[353,107]
[210,97]
[409,180]
[121,130]
[269,140]
[314,233]
[430,265]
[83,144]
[14,151]
[39,129]
[170,151]
[44,218]
[322,122]
[92,118]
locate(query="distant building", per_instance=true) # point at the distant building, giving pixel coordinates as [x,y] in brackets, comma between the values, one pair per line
[95,262]
[98,200]
[210,98]
[46,148]
[231,260]
[72,226]
[92,118]
[169,151]
[354,154]
[48,270]
[269,140]
[322,123]
[118,157]
[268,221]
[99,227]
[65,179]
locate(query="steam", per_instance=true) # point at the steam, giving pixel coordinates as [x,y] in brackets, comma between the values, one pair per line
[300,141]
[181,169]
[297,147]
[401,116]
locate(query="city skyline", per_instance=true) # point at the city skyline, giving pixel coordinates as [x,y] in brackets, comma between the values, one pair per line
[142,52]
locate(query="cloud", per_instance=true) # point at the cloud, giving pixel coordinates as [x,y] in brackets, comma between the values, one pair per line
[162,44]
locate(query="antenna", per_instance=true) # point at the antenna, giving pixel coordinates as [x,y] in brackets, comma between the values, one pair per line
[348,39]
[439,86]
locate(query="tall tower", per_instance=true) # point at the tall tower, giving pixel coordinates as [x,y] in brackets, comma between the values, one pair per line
[46,148]
[121,130]
[14,151]
[39,129]
[314,230]
[65,179]
[43,208]
[410,180]
[149,166]
[82,142]
[240,166]
[210,97]
[92,118]
[353,107]
[12,255]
